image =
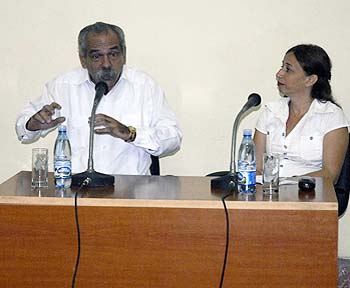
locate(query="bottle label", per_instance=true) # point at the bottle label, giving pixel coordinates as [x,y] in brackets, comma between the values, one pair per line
[62,169]
[246,173]
[247,177]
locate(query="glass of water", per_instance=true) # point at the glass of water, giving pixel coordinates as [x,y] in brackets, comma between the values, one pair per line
[270,177]
[39,167]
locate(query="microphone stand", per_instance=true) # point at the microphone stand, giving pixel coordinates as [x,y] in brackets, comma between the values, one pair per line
[96,179]
[229,182]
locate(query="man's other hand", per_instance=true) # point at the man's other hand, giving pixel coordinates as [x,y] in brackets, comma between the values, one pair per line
[42,120]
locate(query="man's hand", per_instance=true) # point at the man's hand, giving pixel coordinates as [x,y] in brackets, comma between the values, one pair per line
[111,126]
[42,120]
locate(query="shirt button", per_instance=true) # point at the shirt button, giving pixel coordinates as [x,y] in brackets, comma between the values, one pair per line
[283,134]
[285,146]
[281,165]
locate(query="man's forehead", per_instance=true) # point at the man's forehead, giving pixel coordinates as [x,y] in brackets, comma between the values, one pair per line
[104,40]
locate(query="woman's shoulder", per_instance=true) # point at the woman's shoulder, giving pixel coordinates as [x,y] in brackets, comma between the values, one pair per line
[326,107]
[278,107]
[329,115]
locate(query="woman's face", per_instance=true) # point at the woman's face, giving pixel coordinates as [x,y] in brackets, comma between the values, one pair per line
[291,78]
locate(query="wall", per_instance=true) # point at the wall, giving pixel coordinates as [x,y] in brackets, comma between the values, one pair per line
[207,55]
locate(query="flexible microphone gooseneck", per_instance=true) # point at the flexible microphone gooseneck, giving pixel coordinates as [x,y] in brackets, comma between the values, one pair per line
[253,100]
[229,182]
[101,89]
[96,179]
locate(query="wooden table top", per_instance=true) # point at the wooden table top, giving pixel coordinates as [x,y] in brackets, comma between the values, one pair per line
[165,191]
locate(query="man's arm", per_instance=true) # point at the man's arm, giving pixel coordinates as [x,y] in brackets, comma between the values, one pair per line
[108,125]
[42,120]
[36,118]
[162,137]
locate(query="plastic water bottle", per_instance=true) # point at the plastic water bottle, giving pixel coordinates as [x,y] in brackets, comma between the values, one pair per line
[247,164]
[62,159]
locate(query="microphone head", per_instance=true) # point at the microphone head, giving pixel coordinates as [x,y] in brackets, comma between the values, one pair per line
[254,99]
[101,86]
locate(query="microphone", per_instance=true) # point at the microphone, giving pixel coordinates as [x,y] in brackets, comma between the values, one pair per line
[101,89]
[95,179]
[253,100]
[229,182]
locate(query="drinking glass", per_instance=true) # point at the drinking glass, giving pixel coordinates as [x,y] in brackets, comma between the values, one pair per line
[40,167]
[270,175]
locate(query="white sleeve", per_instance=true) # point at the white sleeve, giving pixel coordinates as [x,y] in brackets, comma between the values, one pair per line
[24,135]
[335,120]
[163,137]
[262,122]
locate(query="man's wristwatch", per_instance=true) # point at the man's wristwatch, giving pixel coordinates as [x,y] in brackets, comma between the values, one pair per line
[132,135]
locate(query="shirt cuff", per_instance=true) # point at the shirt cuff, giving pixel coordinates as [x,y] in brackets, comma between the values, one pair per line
[143,139]
[25,135]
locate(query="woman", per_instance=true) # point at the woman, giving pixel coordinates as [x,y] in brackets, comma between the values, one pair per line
[306,127]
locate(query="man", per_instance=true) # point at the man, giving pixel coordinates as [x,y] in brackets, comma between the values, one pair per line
[133,120]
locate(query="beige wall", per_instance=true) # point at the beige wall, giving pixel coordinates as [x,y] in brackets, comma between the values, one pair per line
[207,55]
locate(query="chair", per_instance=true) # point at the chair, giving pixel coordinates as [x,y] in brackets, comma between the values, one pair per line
[342,187]
[154,168]
[217,174]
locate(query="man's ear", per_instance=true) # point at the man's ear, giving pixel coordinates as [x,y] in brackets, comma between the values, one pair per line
[124,55]
[82,61]
[311,80]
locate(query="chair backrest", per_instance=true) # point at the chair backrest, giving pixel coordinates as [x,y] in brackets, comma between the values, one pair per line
[218,173]
[154,168]
[342,187]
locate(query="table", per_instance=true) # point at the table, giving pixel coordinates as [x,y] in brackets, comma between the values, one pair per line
[166,231]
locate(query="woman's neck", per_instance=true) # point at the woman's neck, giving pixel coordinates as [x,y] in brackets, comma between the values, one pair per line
[299,106]
[297,109]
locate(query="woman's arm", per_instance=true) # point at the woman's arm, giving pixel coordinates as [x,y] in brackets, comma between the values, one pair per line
[260,147]
[335,145]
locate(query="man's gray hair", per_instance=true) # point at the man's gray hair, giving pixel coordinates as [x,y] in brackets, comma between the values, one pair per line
[99,27]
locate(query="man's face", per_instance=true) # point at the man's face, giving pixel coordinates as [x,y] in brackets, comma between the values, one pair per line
[104,59]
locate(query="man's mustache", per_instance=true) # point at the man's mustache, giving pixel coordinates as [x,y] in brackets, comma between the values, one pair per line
[106,74]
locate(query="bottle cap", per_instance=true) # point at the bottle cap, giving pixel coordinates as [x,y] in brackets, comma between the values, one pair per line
[62,128]
[247,132]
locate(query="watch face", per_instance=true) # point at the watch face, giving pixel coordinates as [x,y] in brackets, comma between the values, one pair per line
[132,135]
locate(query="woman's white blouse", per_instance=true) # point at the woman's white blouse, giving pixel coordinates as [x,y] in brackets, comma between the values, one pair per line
[301,150]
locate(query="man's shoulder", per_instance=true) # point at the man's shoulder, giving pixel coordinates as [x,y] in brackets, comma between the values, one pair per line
[73,77]
[137,76]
